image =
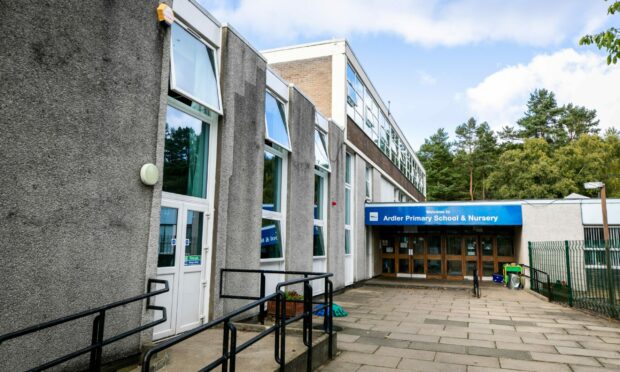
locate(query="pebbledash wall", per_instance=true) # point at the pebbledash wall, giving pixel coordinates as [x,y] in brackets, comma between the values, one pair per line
[253,172]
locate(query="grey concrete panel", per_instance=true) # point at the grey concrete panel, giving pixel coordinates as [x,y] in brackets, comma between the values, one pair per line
[239,171]
[335,229]
[80,110]
[300,196]
[360,255]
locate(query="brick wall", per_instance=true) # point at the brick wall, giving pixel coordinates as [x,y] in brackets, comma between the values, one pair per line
[313,77]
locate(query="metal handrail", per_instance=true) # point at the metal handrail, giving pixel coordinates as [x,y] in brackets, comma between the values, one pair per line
[535,281]
[97,341]
[230,348]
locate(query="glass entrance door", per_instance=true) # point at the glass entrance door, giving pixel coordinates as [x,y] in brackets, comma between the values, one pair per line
[434,252]
[454,257]
[181,261]
[472,256]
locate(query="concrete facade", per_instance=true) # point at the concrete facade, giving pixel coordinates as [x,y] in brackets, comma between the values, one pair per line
[76,222]
[240,168]
[335,230]
[301,183]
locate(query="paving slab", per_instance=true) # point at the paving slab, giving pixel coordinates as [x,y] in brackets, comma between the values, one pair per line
[421,328]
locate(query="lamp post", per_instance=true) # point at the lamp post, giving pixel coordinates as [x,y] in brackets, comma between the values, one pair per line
[610,281]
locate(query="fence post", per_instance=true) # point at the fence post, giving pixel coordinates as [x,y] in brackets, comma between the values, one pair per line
[529,253]
[568,278]
[262,312]
[610,282]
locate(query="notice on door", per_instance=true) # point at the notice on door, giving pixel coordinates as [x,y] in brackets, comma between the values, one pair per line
[192,260]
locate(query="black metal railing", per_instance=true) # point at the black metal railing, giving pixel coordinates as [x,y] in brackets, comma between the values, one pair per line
[476,289]
[97,342]
[539,281]
[230,349]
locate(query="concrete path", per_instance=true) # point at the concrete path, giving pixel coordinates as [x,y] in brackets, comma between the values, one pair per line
[448,330]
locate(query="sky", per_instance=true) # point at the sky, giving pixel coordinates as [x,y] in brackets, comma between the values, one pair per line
[440,62]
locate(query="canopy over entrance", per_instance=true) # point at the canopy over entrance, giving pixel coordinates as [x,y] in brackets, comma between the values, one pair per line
[444,214]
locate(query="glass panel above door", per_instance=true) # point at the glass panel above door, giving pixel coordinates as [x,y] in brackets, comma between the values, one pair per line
[167,237]
[193,238]
[185,154]
[487,246]
[470,246]
[434,245]
[193,68]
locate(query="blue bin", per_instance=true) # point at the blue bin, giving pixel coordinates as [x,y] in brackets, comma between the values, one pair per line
[498,278]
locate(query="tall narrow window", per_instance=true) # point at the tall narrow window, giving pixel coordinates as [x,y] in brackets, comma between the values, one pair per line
[368,183]
[320,150]
[348,203]
[193,69]
[319,213]
[273,217]
[185,153]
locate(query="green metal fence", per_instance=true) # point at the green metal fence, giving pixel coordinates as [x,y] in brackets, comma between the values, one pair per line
[580,273]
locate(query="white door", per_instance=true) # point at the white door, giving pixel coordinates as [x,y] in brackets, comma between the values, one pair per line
[182,261]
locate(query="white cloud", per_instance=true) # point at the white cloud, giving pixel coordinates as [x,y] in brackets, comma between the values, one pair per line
[584,79]
[424,78]
[424,22]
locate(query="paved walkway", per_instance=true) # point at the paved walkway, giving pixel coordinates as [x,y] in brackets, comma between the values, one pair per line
[392,329]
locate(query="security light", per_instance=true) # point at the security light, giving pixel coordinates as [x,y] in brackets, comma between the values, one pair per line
[593,185]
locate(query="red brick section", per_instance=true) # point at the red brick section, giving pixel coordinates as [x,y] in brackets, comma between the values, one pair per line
[313,77]
[357,136]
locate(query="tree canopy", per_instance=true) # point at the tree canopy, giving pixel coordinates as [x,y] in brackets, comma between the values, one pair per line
[608,39]
[549,153]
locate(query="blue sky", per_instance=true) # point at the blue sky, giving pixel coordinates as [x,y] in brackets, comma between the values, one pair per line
[441,61]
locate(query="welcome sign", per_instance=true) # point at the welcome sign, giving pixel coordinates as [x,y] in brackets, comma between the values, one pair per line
[444,215]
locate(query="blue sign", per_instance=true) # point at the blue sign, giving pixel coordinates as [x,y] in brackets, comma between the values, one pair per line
[268,235]
[444,215]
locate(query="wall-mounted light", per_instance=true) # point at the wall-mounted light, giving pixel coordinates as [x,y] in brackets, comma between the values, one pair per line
[149,174]
[165,14]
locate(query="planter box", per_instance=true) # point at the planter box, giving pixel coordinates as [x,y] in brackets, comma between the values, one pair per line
[292,308]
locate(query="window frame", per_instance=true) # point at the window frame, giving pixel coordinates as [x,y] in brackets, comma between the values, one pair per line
[368,182]
[284,103]
[281,215]
[216,57]
[324,136]
[321,222]
[349,164]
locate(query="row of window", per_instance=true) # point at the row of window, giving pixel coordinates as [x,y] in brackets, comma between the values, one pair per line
[367,114]
[274,182]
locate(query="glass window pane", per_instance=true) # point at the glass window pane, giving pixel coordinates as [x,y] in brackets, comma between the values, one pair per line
[454,245]
[488,268]
[276,121]
[504,246]
[185,154]
[418,245]
[167,236]
[388,266]
[387,245]
[318,196]
[434,267]
[455,267]
[347,206]
[319,246]
[193,72]
[487,246]
[193,238]
[271,239]
[347,169]
[403,245]
[272,182]
[368,182]
[403,265]
[320,150]
[434,245]
[347,241]
[470,246]
[418,266]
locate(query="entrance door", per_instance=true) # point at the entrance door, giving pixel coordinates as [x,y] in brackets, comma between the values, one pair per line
[487,252]
[403,253]
[411,256]
[472,256]
[434,252]
[182,262]
[454,257]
